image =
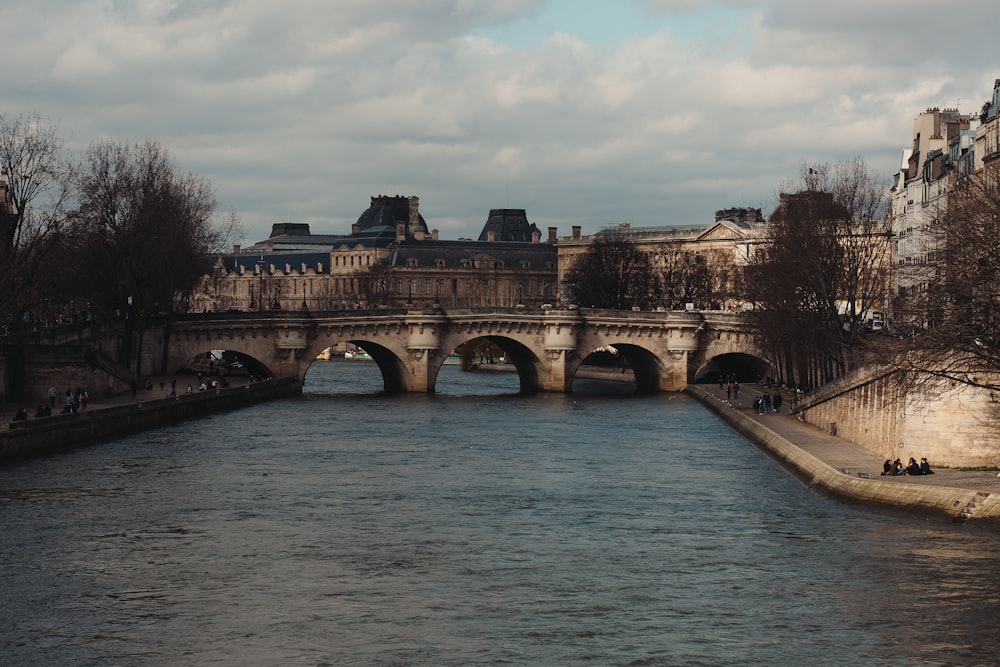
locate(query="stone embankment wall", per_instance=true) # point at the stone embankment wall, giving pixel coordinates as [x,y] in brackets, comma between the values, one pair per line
[938,501]
[952,425]
[36,437]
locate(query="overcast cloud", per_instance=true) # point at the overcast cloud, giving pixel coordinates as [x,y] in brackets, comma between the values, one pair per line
[582,112]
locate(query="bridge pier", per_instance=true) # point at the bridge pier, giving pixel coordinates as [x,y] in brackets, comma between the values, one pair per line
[423,341]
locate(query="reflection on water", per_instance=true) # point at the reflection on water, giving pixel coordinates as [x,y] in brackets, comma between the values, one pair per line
[474,526]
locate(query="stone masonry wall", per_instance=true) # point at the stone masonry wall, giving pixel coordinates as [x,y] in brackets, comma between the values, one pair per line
[953,426]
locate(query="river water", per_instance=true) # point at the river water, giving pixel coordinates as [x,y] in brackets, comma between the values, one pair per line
[473,527]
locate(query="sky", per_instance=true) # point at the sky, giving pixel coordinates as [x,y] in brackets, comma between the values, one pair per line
[585,112]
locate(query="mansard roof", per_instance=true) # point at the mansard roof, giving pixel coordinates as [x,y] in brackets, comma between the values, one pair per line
[390,211]
[455,254]
[508,224]
[318,262]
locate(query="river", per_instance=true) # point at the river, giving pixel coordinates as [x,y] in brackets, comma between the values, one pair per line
[472,527]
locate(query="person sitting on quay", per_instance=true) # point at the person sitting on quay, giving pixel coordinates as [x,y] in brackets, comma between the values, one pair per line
[21,415]
[887,467]
[912,468]
[897,468]
[925,467]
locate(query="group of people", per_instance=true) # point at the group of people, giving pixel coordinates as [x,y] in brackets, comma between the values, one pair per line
[893,468]
[731,385]
[767,403]
[74,401]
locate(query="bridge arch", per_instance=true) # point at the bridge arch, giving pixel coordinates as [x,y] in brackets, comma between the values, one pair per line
[195,355]
[393,370]
[524,360]
[745,366]
[646,366]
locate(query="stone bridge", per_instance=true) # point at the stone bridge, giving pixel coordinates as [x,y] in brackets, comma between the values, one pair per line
[666,350]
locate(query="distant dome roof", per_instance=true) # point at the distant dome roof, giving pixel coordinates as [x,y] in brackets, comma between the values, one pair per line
[508,224]
[390,211]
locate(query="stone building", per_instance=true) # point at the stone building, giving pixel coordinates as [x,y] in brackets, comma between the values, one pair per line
[718,251]
[942,140]
[390,258]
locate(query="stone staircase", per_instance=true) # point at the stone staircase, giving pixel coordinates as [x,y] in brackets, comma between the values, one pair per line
[969,510]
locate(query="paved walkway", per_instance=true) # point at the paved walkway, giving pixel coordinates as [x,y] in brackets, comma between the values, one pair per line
[846,456]
[7,410]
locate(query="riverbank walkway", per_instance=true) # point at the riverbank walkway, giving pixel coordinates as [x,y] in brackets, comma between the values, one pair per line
[845,456]
[142,395]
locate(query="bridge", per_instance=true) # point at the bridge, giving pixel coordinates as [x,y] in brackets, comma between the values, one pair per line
[547,346]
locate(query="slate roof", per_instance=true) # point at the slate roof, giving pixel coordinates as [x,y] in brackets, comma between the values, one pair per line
[388,212]
[508,224]
[454,253]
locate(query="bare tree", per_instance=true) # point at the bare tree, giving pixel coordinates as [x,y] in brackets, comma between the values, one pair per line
[955,332]
[34,186]
[143,230]
[613,273]
[374,285]
[823,270]
[686,277]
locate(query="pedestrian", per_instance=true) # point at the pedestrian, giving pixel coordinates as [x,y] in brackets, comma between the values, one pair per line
[68,407]
[84,397]
[53,394]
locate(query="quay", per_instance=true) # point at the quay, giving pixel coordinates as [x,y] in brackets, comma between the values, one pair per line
[114,416]
[837,468]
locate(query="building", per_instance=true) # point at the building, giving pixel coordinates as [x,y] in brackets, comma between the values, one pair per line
[390,258]
[700,265]
[941,151]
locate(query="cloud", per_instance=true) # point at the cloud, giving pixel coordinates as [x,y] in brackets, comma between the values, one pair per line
[302,110]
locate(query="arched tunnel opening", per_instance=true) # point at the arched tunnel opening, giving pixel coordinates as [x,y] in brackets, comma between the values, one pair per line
[745,368]
[225,364]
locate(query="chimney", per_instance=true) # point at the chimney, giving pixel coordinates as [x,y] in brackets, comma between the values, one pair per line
[269,247]
[236,248]
[491,236]
[552,234]
[434,235]
[355,228]
[414,213]
[576,232]
[400,231]
[536,236]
